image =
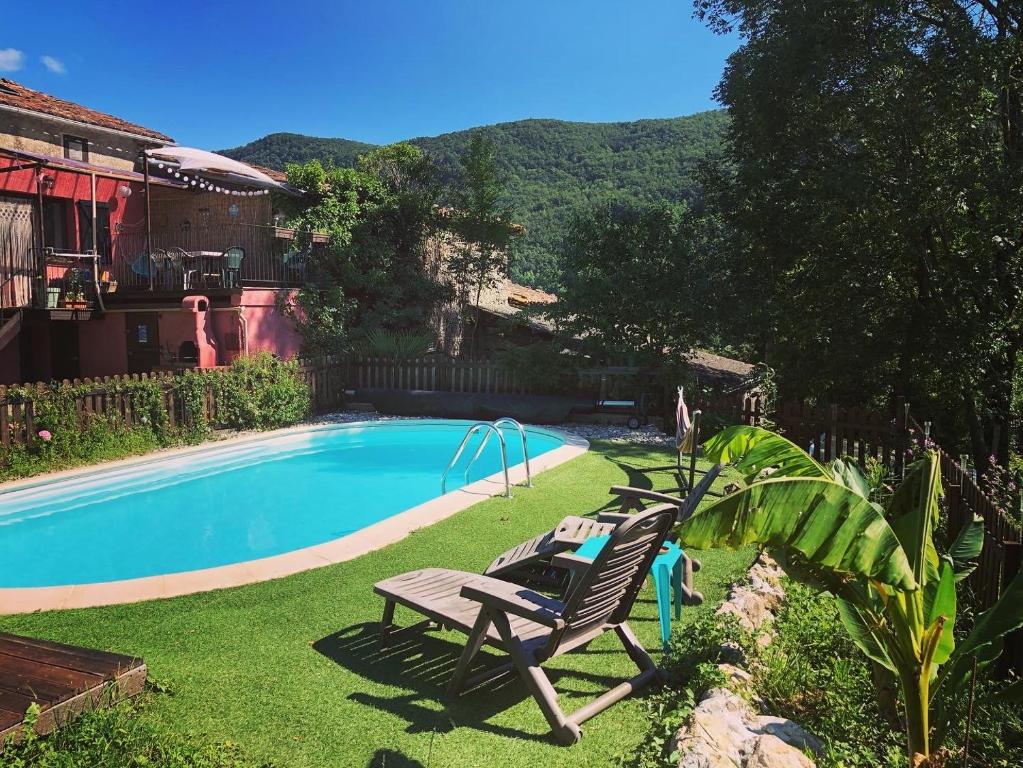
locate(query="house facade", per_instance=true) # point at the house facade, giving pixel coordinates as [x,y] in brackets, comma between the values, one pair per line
[115,258]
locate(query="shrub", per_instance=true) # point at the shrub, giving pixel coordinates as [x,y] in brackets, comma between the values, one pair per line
[258,392]
[120,738]
[691,670]
[814,674]
[261,392]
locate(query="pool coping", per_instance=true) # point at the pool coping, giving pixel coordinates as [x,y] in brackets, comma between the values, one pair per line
[392,529]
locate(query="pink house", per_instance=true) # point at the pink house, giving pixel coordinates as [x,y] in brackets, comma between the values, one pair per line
[123,253]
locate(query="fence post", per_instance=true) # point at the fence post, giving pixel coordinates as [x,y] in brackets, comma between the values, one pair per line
[1013,658]
[834,432]
[902,416]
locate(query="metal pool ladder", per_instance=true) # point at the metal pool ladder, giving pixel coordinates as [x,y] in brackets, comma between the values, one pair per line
[492,428]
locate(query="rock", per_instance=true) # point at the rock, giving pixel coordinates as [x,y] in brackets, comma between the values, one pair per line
[790,732]
[736,679]
[772,752]
[751,609]
[724,732]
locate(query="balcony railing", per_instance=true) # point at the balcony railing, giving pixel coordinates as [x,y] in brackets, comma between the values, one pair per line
[205,258]
[69,281]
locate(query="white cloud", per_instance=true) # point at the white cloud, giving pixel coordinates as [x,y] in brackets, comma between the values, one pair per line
[11,59]
[54,65]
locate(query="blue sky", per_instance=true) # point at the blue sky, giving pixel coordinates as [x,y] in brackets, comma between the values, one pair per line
[216,74]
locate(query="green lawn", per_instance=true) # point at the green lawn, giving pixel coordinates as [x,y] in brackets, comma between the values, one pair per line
[289,669]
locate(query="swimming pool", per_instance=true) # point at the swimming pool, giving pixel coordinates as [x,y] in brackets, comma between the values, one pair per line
[242,501]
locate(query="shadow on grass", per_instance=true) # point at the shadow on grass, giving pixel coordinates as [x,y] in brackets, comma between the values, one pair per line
[389,758]
[422,663]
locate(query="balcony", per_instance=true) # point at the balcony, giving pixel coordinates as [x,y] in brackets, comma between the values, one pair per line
[226,257]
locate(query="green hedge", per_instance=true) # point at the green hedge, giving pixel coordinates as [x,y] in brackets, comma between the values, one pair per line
[255,392]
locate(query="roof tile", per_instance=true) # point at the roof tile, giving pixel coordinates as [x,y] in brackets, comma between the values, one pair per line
[16,95]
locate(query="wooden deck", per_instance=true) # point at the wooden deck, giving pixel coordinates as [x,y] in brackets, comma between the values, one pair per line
[63,679]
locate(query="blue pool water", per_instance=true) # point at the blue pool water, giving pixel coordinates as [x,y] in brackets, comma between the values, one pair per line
[234,503]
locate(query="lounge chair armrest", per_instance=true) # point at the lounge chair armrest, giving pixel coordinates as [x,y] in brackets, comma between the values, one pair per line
[511,598]
[639,493]
[613,517]
[570,561]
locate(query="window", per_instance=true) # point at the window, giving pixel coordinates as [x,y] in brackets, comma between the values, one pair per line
[55,224]
[76,148]
[85,224]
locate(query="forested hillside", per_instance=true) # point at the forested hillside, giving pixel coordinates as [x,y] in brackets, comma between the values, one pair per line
[553,170]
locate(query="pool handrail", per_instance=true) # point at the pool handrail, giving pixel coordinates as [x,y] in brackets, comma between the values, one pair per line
[483,445]
[489,426]
[525,449]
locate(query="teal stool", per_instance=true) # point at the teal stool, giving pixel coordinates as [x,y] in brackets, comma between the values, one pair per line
[667,573]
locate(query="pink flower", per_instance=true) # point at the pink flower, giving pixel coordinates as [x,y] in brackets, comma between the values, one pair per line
[45,436]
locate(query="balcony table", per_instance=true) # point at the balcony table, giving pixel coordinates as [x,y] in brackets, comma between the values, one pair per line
[204,264]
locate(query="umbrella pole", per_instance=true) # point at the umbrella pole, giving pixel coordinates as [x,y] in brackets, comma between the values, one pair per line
[149,250]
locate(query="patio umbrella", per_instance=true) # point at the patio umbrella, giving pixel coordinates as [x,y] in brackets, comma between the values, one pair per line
[191,159]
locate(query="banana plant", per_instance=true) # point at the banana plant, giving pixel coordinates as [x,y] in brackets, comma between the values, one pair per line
[896,594]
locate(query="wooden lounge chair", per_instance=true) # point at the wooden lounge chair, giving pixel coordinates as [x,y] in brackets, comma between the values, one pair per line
[531,562]
[533,628]
[637,499]
[530,559]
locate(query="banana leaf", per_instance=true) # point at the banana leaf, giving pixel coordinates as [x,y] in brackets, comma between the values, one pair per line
[967,547]
[827,523]
[940,601]
[752,450]
[848,474]
[864,630]
[997,621]
[913,513]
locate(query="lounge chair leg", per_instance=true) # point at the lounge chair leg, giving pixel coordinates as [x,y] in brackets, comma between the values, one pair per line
[692,597]
[473,644]
[565,731]
[635,650]
[386,622]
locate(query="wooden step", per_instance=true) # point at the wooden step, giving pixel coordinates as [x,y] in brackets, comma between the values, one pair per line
[63,680]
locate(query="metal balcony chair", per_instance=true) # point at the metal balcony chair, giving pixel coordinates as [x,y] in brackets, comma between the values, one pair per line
[231,271]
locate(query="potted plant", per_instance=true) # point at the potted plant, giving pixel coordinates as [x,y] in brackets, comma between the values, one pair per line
[74,293]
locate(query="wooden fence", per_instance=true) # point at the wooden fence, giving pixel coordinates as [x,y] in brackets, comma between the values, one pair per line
[106,397]
[1000,559]
[99,397]
[432,374]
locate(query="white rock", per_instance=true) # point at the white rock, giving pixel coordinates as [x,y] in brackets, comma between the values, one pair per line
[724,732]
[772,752]
[750,608]
[789,731]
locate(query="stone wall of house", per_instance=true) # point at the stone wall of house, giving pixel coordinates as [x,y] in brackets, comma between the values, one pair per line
[30,133]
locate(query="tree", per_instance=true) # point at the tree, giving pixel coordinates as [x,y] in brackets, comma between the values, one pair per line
[874,192]
[393,277]
[482,226]
[376,271]
[637,281]
[334,201]
[896,594]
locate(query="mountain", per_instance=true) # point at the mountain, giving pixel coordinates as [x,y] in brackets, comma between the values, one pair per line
[553,170]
